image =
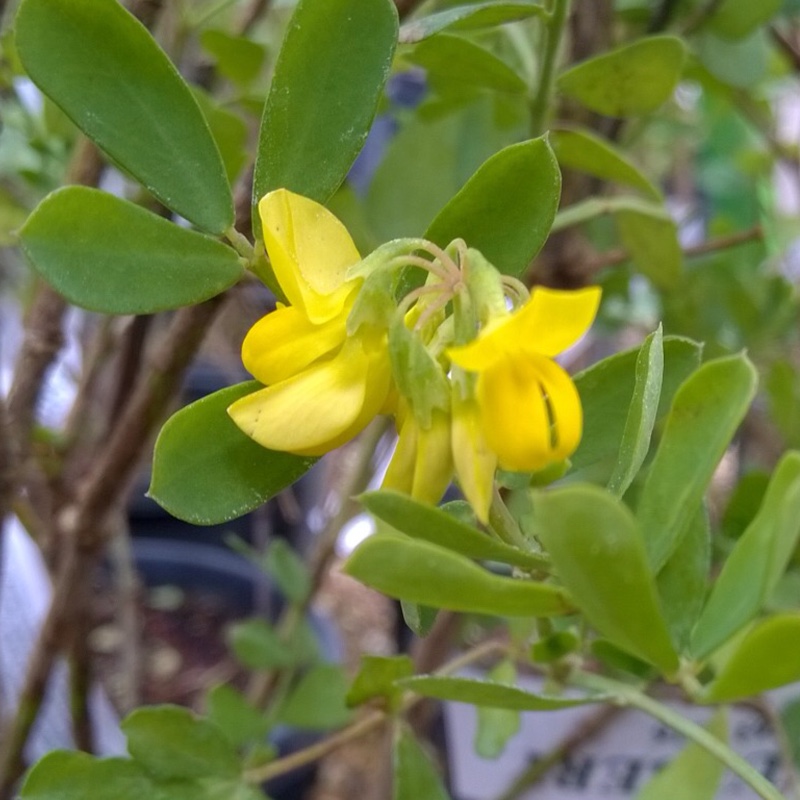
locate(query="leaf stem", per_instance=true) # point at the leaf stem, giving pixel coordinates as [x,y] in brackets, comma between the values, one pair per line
[626,695]
[240,243]
[554,30]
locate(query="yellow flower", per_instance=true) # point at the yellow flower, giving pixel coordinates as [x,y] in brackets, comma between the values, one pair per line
[323,387]
[530,411]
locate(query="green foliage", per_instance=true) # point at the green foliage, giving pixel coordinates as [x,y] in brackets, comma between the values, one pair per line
[414,775]
[377,677]
[317,701]
[109,255]
[129,99]
[205,470]
[496,726]
[328,79]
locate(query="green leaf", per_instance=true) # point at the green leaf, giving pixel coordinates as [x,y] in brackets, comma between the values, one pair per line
[755,565]
[735,19]
[257,645]
[419,618]
[415,777]
[109,255]
[234,716]
[634,79]
[206,471]
[651,238]
[377,676]
[427,574]
[129,99]
[641,413]
[229,131]
[506,208]
[497,725]
[238,59]
[64,775]
[683,581]
[694,774]
[598,554]
[171,743]
[606,391]
[317,701]
[288,571]
[433,525]
[705,414]
[453,62]
[583,151]
[766,658]
[330,72]
[489,693]
[742,63]
[790,716]
[478,15]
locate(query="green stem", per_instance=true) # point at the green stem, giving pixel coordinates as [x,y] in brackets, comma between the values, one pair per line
[625,695]
[240,243]
[554,30]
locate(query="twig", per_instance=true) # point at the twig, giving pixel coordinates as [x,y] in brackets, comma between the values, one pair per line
[584,732]
[615,257]
[554,31]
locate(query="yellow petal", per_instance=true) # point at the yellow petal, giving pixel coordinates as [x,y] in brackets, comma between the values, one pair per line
[564,406]
[310,252]
[433,467]
[322,407]
[400,472]
[514,414]
[550,322]
[285,342]
[475,462]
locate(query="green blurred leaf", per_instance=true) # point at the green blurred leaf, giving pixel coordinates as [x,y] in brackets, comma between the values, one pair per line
[109,255]
[584,151]
[783,389]
[490,693]
[735,19]
[317,701]
[744,502]
[330,72]
[764,659]
[129,99]
[683,581]
[415,777]
[650,236]
[64,775]
[229,131]
[477,15]
[497,725]
[606,390]
[239,59]
[450,61]
[206,471]
[288,571]
[419,618]
[706,411]
[506,208]
[425,573]
[742,63]
[257,645]
[438,527]
[755,565]
[694,774]
[234,716]
[634,79]
[172,743]
[377,676]
[12,215]
[641,413]
[598,554]
[790,716]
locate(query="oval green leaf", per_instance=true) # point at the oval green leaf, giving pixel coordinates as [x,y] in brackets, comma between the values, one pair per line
[705,414]
[332,66]
[767,657]
[438,527]
[506,209]
[479,15]
[757,562]
[650,236]
[172,743]
[735,19]
[414,776]
[424,573]
[586,152]
[490,693]
[109,255]
[206,471]
[451,62]
[103,68]
[598,554]
[634,79]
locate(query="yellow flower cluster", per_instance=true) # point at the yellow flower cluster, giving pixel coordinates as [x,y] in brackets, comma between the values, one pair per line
[510,403]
